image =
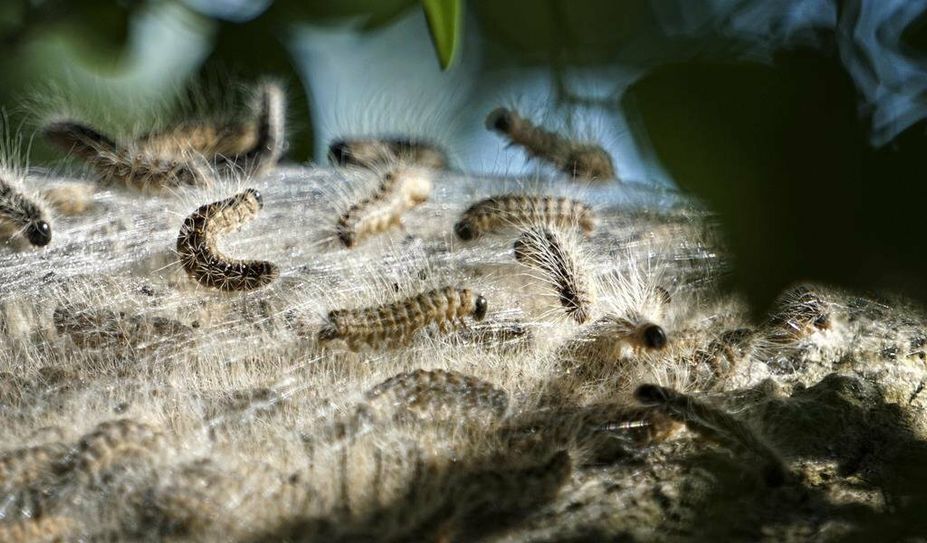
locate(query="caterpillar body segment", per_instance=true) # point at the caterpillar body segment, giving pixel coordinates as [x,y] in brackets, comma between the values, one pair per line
[507,210]
[428,391]
[577,159]
[44,529]
[129,166]
[112,442]
[102,328]
[547,250]
[23,215]
[715,424]
[395,323]
[201,259]
[400,190]
[261,152]
[373,152]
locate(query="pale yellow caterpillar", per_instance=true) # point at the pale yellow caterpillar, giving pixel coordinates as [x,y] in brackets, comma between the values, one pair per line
[521,210]
[400,190]
[575,158]
[199,256]
[396,323]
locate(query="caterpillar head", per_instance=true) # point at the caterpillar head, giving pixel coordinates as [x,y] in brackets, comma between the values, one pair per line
[39,233]
[479,308]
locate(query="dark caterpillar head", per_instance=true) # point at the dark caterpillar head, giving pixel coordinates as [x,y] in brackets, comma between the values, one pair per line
[500,120]
[39,233]
[650,394]
[338,153]
[479,308]
[464,230]
[654,337]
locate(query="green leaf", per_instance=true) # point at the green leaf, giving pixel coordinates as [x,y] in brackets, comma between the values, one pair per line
[444,22]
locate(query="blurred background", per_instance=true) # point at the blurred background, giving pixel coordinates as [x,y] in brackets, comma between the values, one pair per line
[800,122]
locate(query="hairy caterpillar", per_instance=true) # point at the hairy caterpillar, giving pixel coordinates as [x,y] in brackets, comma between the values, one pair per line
[577,159]
[548,251]
[69,199]
[400,190]
[372,152]
[396,322]
[23,214]
[199,256]
[252,148]
[522,209]
[181,156]
[428,391]
[502,335]
[25,476]
[125,165]
[111,442]
[101,328]
[801,313]
[714,424]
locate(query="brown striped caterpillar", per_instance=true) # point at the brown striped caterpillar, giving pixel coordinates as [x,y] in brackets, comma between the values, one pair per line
[372,152]
[577,159]
[181,156]
[199,256]
[522,209]
[548,251]
[713,423]
[401,190]
[429,391]
[102,328]
[395,323]
[23,215]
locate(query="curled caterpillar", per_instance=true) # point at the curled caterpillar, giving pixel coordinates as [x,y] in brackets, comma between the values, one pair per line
[430,391]
[400,190]
[713,423]
[548,251]
[199,256]
[522,209]
[577,159]
[100,328]
[371,152]
[181,156]
[397,322]
[23,214]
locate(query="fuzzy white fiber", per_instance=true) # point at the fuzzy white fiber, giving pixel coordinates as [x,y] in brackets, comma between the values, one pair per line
[235,424]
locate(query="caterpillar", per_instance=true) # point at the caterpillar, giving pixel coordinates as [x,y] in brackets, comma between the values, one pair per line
[521,209]
[577,159]
[70,199]
[713,423]
[23,214]
[801,313]
[396,322]
[129,166]
[400,190]
[548,251]
[102,328]
[428,391]
[199,256]
[251,148]
[184,154]
[111,442]
[372,152]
